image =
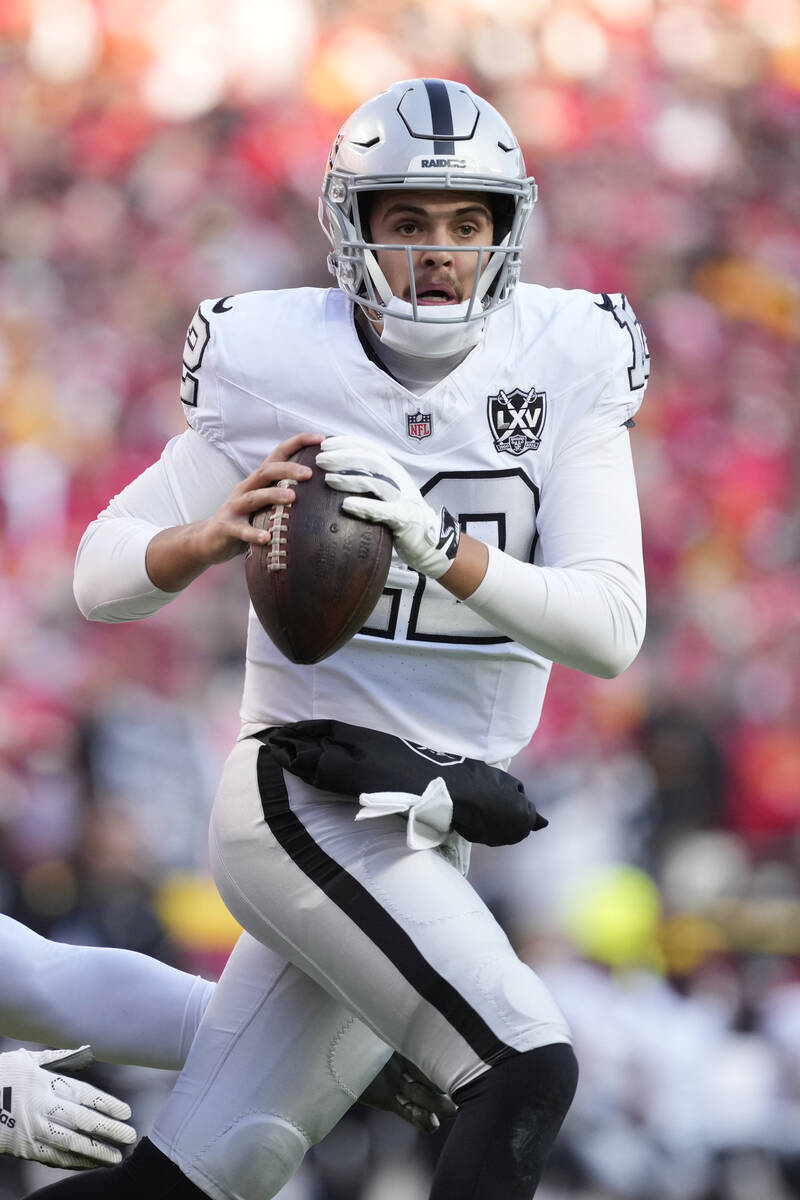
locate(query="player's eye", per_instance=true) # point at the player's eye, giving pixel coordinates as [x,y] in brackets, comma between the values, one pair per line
[407,228]
[467,229]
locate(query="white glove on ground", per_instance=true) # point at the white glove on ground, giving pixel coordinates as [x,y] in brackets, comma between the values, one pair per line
[56,1120]
[424,539]
[429,815]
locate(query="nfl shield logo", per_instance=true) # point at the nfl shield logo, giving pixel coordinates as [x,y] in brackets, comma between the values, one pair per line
[419,424]
[516,419]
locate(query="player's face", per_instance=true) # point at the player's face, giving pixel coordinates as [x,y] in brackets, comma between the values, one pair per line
[450,219]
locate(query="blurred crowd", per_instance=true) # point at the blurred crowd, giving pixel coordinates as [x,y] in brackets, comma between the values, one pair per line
[156,152]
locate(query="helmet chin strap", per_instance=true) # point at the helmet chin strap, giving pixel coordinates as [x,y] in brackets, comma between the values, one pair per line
[432,338]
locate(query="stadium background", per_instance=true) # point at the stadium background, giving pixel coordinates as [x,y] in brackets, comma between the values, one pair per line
[156,152]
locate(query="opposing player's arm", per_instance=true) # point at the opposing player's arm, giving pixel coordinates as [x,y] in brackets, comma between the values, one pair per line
[130,1007]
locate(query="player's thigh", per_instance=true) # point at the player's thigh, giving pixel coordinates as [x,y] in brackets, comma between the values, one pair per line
[274,1065]
[400,937]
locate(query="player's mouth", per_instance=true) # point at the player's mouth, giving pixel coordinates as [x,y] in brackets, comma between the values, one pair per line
[436,293]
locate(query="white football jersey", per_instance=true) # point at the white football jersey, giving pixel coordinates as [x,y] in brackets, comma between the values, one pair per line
[554,368]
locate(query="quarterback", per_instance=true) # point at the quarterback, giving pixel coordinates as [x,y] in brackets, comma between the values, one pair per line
[485,422]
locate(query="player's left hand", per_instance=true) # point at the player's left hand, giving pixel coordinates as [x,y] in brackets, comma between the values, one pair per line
[425,539]
[56,1120]
[402,1089]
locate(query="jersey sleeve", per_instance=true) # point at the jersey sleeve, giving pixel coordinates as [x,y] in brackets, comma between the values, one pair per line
[188,483]
[200,392]
[621,342]
[236,357]
[583,602]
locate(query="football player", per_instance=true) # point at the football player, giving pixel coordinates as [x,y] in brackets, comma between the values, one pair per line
[132,1009]
[485,422]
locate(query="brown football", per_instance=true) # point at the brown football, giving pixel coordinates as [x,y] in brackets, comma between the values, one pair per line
[316,582]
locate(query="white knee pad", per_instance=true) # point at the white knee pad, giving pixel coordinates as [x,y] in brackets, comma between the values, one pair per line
[255,1158]
[520,1007]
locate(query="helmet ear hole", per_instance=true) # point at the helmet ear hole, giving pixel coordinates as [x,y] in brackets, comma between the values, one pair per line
[503,209]
[365,202]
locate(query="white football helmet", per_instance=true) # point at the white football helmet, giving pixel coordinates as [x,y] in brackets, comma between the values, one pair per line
[425,133]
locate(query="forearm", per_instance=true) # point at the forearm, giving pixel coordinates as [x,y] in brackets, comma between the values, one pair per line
[111,582]
[176,556]
[583,604]
[590,617]
[130,1008]
[468,569]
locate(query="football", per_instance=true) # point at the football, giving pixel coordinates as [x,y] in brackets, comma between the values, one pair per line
[316,581]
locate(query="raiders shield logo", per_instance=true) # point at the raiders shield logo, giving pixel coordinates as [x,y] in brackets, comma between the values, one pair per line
[516,419]
[419,424]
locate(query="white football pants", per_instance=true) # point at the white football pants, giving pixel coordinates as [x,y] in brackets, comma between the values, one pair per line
[371,947]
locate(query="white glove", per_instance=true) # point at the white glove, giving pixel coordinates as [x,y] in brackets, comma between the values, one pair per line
[56,1120]
[424,539]
[429,815]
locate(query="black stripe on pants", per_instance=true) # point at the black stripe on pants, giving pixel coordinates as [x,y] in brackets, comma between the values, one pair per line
[364,910]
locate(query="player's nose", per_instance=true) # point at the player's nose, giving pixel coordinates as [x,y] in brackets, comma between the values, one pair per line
[441,256]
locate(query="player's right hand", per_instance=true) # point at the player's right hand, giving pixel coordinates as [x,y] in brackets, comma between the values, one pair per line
[56,1120]
[228,531]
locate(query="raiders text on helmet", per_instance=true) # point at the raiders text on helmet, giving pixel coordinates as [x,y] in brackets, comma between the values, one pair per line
[426,133]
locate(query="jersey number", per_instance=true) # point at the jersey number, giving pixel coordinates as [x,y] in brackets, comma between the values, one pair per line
[639,370]
[497,507]
[197,338]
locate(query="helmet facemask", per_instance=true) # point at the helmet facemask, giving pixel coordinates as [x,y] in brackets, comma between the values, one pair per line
[354,262]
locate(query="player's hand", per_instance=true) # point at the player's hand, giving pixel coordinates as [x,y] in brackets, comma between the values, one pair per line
[228,531]
[425,539]
[56,1120]
[402,1089]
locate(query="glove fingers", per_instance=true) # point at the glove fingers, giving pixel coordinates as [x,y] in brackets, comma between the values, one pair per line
[347,451]
[420,1118]
[357,484]
[370,510]
[61,1143]
[91,1098]
[67,1160]
[423,1096]
[87,1120]
[361,459]
[372,465]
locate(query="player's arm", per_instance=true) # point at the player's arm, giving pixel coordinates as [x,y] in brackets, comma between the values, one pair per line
[584,606]
[130,1007]
[194,505]
[178,554]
